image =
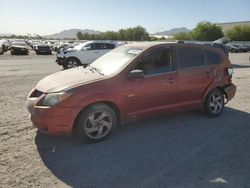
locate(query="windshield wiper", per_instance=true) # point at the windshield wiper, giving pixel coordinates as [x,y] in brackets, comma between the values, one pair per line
[96,69]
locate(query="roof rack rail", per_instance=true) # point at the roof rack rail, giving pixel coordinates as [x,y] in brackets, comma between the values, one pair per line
[215,44]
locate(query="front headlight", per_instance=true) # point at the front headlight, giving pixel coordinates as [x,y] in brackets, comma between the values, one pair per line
[53,99]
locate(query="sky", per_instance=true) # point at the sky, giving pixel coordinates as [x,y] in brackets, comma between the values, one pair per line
[52,16]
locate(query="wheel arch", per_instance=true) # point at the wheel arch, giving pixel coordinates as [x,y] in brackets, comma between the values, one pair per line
[221,88]
[73,57]
[108,103]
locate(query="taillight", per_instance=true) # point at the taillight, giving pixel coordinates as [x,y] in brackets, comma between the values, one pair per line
[230,71]
[229,74]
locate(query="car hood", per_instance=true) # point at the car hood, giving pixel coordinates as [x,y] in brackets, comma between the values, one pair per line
[68,78]
[69,50]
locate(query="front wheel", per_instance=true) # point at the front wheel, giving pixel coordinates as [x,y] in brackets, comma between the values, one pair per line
[214,103]
[96,123]
[71,63]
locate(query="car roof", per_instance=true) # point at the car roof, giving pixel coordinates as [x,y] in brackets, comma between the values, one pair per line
[99,41]
[146,45]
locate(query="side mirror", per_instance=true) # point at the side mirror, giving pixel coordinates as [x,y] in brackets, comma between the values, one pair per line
[136,74]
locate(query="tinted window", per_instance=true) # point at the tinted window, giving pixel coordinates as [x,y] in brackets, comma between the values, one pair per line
[213,57]
[110,46]
[190,57]
[156,62]
[96,46]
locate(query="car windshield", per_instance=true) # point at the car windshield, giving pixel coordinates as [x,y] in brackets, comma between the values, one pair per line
[79,46]
[116,59]
[19,44]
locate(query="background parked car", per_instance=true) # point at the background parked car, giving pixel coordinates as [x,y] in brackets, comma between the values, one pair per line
[5,44]
[84,53]
[42,48]
[19,48]
[244,48]
[237,48]
[1,49]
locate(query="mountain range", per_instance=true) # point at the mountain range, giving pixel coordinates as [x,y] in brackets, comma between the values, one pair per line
[173,31]
[70,33]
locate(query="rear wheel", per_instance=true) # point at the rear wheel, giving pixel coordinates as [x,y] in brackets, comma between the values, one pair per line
[71,63]
[96,123]
[214,103]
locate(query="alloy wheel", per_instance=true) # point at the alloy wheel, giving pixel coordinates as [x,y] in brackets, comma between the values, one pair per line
[216,103]
[98,125]
[72,64]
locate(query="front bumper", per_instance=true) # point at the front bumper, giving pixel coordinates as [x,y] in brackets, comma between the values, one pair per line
[20,51]
[52,120]
[60,60]
[45,51]
[230,91]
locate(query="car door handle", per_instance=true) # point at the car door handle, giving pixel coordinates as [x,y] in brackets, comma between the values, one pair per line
[171,80]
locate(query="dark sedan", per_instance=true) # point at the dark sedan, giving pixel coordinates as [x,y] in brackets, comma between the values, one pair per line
[19,48]
[43,49]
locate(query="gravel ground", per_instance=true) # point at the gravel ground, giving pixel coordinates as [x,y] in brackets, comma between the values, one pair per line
[183,150]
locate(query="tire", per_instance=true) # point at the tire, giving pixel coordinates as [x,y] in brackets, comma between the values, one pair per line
[214,103]
[96,123]
[65,66]
[71,63]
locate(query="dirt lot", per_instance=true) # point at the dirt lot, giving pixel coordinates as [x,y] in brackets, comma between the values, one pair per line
[182,150]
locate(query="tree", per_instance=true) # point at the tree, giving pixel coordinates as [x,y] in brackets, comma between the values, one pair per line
[139,33]
[122,34]
[183,36]
[79,35]
[136,33]
[207,31]
[239,33]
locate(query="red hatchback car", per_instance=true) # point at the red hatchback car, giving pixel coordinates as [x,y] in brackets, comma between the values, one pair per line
[131,82]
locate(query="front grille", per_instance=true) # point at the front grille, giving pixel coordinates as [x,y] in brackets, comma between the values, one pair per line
[35,94]
[43,47]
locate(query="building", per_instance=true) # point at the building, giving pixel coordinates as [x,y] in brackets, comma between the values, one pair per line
[230,25]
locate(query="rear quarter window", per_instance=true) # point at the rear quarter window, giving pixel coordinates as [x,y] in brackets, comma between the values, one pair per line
[212,57]
[190,57]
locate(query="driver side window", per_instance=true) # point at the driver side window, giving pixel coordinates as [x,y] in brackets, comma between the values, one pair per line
[156,62]
[93,46]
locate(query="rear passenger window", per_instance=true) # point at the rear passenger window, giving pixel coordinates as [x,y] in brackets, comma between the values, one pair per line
[190,57]
[99,46]
[213,57]
[110,46]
